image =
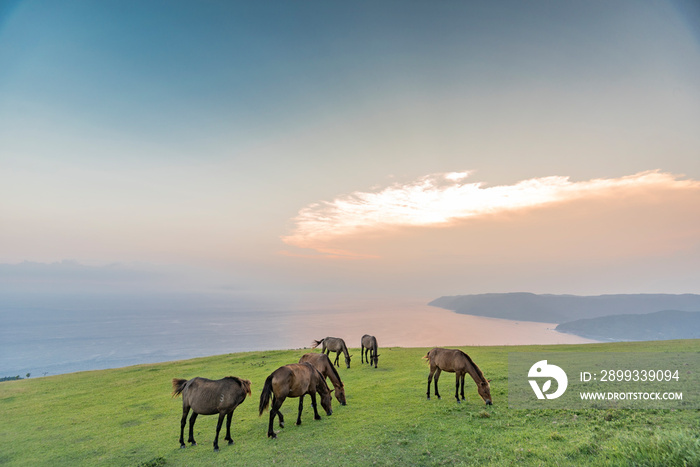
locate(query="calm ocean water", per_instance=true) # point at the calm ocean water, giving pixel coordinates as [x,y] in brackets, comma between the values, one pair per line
[50,339]
[41,341]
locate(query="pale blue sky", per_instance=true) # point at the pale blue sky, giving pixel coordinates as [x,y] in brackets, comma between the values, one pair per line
[193,133]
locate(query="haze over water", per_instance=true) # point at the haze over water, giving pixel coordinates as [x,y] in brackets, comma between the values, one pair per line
[38,342]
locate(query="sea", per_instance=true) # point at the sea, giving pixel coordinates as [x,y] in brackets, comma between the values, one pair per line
[66,336]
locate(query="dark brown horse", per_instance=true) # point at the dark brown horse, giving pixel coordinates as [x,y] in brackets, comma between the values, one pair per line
[456,361]
[294,380]
[334,344]
[207,397]
[323,364]
[368,348]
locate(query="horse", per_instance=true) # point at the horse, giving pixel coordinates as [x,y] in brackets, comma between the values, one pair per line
[335,344]
[368,348]
[207,397]
[323,364]
[294,380]
[458,362]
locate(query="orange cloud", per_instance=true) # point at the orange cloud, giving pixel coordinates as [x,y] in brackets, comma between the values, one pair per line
[443,200]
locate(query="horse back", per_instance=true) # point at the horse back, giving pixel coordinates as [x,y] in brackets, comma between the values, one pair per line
[208,397]
[450,360]
[335,344]
[293,380]
[323,364]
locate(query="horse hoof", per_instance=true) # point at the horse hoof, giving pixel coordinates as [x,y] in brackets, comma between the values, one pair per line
[272,435]
[216,449]
[459,401]
[182,446]
[281,424]
[298,422]
[193,443]
[230,442]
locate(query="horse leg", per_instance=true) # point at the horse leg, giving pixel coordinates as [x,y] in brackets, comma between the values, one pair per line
[430,379]
[275,411]
[462,391]
[228,428]
[437,376]
[218,429]
[457,386]
[193,418]
[280,417]
[301,407]
[337,357]
[183,422]
[313,404]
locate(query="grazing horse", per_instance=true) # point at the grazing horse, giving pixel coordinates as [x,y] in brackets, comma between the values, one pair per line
[323,364]
[207,397]
[368,348]
[335,344]
[294,380]
[456,361]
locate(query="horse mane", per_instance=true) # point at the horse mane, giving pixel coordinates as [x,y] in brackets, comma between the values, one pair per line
[478,370]
[335,372]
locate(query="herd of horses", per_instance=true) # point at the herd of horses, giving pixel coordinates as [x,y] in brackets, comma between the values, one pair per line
[210,397]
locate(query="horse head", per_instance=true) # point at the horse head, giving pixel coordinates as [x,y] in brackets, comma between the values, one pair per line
[484,389]
[347,360]
[340,395]
[326,400]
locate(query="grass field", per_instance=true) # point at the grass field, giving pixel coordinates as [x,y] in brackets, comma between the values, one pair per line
[127,417]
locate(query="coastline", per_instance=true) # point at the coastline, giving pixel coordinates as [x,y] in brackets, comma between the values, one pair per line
[416,324]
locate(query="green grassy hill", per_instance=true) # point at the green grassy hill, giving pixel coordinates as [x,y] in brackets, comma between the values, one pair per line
[127,417]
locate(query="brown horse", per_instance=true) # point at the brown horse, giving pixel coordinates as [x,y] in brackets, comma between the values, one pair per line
[334,344]
[294,380]
[456,361]
[207,397]
[368,348]
[323,364]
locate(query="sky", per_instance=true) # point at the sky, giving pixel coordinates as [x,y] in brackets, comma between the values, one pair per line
[327,148]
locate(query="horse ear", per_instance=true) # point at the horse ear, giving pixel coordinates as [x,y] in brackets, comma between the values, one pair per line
[488,380]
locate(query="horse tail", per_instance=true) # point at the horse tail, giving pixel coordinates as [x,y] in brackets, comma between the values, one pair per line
[178,386]
[317,343]
[265,395]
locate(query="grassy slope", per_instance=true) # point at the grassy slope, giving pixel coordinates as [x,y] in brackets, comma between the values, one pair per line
[127,417]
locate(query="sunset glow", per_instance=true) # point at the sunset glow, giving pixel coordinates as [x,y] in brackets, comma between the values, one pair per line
[438,200]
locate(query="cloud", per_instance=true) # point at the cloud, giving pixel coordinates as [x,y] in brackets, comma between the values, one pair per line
[442,200]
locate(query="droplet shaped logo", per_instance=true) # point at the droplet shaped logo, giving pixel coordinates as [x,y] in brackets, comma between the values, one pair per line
[542,369]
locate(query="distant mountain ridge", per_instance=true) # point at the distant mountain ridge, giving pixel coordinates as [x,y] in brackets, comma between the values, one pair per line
[521,306]
[661,325]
